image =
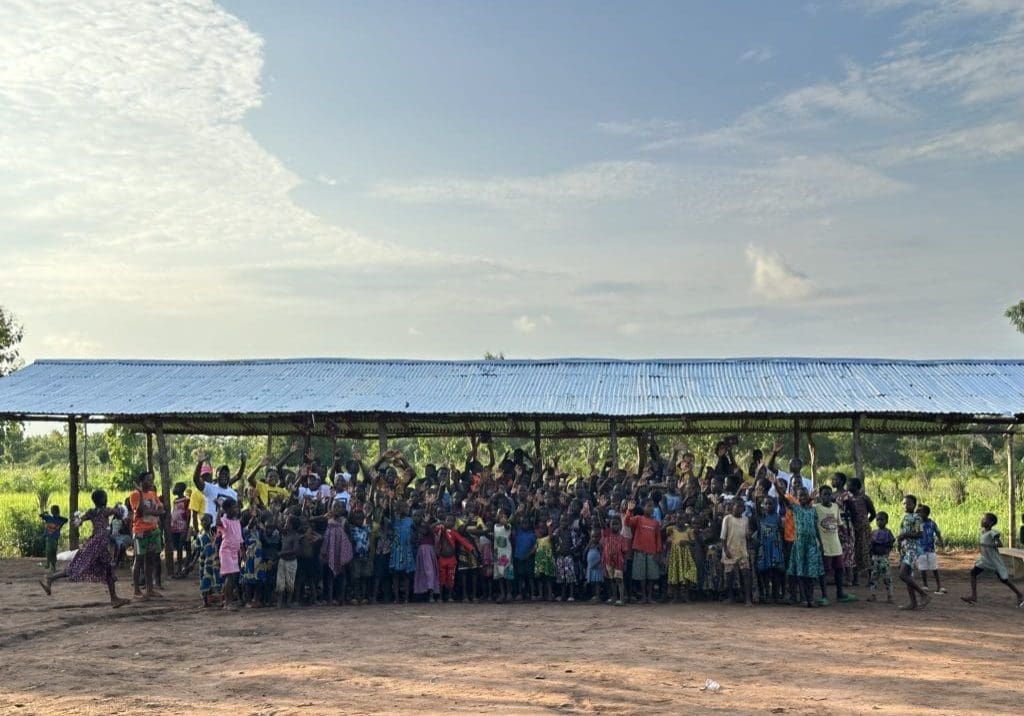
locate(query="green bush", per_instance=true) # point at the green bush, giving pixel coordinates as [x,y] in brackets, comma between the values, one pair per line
[21,533]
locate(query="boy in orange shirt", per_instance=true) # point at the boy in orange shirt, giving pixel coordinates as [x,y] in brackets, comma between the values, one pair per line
[646,546]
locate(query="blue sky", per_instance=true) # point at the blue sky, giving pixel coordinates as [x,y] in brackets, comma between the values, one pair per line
[194,179]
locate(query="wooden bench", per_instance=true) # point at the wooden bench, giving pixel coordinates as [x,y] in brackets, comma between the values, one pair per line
[1013,558]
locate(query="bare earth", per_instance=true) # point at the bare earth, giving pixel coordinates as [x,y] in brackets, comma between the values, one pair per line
[71,653]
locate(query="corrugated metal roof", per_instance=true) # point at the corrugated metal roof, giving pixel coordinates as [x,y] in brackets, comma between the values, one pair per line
[556,387]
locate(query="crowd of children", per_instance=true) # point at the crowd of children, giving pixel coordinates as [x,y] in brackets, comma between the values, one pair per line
[517,530]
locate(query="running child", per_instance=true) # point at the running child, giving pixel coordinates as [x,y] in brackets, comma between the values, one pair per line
[989,560]
[882,542]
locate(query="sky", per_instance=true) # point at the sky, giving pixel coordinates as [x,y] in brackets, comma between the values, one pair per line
[190,179]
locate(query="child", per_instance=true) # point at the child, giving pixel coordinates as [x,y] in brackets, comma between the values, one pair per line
[909,541]
[565,565]
[362,561]
[614,547]
[682,569]
[252,557]
[426,579]
[646,547]
[989,560]
[288,561]
[502,567]
[229,529]
[929,561]
[308,573]
[595,568]
[544,563]
[270,552]
[771,560]
[449,541]
[179,528]
[735,557]
[382,547]
[524,551]
[882,542]
[335,555]
[829,520]
[805,557]
[403,559]
[92,562]
[52,524]
[485,544]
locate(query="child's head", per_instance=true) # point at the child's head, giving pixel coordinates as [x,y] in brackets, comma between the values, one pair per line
[206,521]
[825,495]
[144,481]
[855,485]
[179,489]
[804,497]
[924,511]
[988,521]
[616,523]
[99,498]
[357,517]
[230,508]
[909,504]
[736,507]
[882,519]
[595,535]
[767,505]
[648,508]
[55,510]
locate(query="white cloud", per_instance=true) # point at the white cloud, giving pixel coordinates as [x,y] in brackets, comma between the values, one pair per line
[524,324]
[599,181]
[756,54]
[773,279]
[415,332]
[546,320]
[643,128]
[71,345]
[125,164]
[326,180]
[998,140]
[628,329]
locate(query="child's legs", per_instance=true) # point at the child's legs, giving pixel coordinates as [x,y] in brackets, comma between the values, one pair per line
[1013,587]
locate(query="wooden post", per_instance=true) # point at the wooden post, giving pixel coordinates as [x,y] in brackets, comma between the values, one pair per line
[149,452]
[796,439]
[73,465]
[858,452]
[812,450]
[270,437]
[382,437]
[536,443]
[641,453]
[613,443]
[165,496]
[85,455]
[1011,474]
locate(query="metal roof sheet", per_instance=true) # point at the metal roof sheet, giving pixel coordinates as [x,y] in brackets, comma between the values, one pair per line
[554,387]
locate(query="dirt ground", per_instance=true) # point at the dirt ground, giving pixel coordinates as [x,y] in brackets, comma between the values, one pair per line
[71,653]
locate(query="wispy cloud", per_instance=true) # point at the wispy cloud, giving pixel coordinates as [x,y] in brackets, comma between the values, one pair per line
[774,280]
[600,181]
[757,55]
[994,141]
[326,180]
[125,152]
[524,324]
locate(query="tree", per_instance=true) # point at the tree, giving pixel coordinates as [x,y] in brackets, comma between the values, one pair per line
[11,333]
[1016,316]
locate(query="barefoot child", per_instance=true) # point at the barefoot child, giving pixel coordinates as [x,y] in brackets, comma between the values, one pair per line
[990,560]
[929,561]
[502,569]
[882,542]
[544,564]
[288,561]
[92,562]
[595,570]
[206,555]
[179,528]
[229,528]
[646,547]
[832,549]
[682,569]
[614,548]
[771,559]
[735,557]
[909,540]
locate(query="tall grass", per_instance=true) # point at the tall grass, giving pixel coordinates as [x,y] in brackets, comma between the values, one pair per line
[26,503]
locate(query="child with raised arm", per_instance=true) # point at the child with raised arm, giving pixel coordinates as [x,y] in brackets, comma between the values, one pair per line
[805,562]
[929,560]
[882,542]
[989,560]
